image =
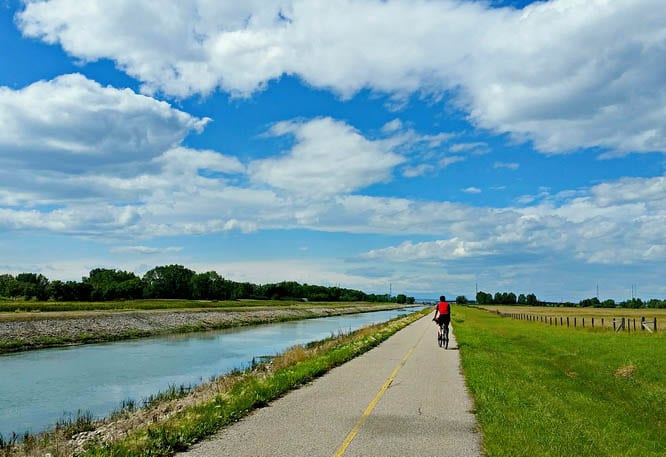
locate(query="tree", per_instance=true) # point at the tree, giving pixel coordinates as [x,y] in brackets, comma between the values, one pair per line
[483,298]
[111,284]
[461,300]
[170,281]
[33,285]
[401,299]
[531,300]
[522,300]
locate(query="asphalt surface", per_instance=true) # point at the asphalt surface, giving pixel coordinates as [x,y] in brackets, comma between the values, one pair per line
[404,398]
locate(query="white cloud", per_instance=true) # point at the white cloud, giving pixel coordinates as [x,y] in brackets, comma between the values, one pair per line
[477,147]
[450,160]
[472,190]
[329,157]
[74,124]
[145,250]
[419,170]
[508,165]
[522,75]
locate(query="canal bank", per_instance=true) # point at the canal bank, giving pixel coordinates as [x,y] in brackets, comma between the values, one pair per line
[42,385]
[28,331]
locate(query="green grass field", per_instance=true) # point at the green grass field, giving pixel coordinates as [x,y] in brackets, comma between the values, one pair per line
[553,391]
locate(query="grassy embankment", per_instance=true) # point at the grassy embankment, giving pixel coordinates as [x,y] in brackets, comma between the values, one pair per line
[248,312]
[21,306]
[186,420]
[554,391]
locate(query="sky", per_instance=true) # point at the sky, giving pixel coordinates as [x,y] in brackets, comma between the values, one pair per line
[412,146]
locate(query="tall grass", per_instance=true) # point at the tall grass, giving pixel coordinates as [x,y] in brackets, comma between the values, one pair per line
[552,391]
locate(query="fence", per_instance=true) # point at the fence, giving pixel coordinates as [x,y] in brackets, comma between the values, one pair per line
[628,324]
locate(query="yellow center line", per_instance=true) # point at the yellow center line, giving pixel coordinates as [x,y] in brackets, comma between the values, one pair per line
[359,423]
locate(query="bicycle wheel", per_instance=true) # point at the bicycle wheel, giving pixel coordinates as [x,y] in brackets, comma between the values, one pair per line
[440,339]
[445,337]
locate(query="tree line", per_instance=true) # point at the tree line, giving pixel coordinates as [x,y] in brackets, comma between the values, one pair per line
[172,282]
[509,298]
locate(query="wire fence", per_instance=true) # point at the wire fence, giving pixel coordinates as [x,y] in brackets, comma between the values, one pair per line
[619,324]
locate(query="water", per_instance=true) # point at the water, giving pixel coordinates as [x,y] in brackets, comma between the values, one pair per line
[38,388]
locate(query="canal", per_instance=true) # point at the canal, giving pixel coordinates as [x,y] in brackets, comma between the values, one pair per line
[38,388]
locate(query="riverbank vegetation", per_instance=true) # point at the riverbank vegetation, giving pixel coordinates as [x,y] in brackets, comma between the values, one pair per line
[554,391]
[173,422]
[171,282]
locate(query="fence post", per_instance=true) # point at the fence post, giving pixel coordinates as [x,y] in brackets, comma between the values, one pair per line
[593,322]
[602,321]
[614,325]
[583,322]
[575,322]
[567,321]
[655,325]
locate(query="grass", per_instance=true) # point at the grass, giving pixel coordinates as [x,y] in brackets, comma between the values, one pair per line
[21,306]
[553,391]
[580,312]
[187,417]
[253,314]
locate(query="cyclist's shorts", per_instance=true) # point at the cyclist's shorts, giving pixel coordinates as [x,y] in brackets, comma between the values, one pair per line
[444,319]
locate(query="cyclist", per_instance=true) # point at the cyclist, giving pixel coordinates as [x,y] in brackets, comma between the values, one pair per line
[442,314]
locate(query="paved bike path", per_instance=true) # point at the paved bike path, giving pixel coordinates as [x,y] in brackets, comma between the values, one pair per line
[405,397]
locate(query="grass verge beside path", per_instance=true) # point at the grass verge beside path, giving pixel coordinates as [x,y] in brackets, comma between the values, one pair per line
[227,399]
[553,391]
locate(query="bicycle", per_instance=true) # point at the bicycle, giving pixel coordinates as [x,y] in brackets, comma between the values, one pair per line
[443,336]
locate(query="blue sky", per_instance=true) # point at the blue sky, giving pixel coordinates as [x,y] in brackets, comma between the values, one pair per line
[427,146]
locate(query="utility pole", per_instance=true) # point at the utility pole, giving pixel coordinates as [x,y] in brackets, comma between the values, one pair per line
[597,291]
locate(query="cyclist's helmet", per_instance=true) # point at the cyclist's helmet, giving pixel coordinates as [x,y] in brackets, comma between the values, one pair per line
[442,298]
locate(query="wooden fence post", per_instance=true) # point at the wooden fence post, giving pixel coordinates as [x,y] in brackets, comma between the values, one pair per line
[614,325]
[567,321]
[583,322]
[593,322]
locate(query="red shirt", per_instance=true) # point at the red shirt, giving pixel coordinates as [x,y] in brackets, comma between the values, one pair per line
[443,308]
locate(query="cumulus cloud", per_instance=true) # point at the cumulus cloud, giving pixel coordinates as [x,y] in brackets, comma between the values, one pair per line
[329,157]
[74,124]
[565,74]
[613,223]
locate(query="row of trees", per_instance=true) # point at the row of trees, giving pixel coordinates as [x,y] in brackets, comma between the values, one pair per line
[509,298]
[631,303]
[171,281]
[506,298]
